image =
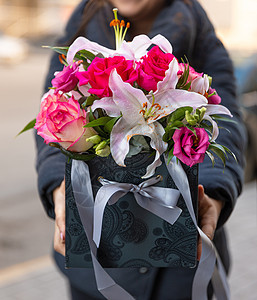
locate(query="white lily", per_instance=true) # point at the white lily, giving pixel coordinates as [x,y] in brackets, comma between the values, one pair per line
[130,50]
[140,113]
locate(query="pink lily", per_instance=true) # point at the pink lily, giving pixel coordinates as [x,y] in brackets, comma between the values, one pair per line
[170,96]
[200,85]
[140,113]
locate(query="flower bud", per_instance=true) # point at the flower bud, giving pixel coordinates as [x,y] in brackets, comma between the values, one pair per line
[202,112]
[104,152]
[95,139]
[190,119]
[101,145]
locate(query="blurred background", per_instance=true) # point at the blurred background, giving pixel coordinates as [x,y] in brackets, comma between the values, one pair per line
[26,269]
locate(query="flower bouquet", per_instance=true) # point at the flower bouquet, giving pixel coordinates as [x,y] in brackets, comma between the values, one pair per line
[133,114]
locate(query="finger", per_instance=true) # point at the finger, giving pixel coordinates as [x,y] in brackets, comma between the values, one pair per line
[209,230]
[60,222]
[59,244]
[200,192]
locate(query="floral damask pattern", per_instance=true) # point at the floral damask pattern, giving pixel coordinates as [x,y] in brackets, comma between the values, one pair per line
[132,236]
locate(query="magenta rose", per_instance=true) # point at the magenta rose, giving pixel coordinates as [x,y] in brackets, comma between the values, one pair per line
[61,120]
[214,99]
[152,68]
[98,73]
[66,80]
[190,149]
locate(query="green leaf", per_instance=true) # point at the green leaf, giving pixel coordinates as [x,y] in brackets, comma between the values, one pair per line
[170,156]
[29,126]
[73,155]
[211,157]
[219,153]
[175,124]
[91,116]
[230,152]
[61,50]
[109,125]
[98,122]
[168,135]
[89,101]
[218,146]
[179,114]
[225,119]
[186,86]
[85,55]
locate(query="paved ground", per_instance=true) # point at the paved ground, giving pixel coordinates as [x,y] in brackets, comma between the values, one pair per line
[26,269]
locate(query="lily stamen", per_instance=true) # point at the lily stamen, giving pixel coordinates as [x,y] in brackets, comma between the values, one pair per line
[157,106]
[118,28]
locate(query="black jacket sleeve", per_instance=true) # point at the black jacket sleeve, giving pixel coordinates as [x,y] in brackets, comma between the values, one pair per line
[50,162]
[211,57]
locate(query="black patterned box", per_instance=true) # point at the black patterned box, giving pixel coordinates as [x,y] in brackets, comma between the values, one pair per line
[131,235]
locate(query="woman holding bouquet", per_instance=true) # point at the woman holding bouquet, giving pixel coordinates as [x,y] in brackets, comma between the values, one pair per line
[187,27]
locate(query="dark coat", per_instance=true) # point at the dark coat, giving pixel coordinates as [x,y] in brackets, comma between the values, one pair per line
[187,27]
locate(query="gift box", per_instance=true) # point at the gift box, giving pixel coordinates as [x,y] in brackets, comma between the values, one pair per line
[131,235]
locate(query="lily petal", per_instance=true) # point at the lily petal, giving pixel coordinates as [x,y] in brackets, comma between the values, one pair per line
[136,48]
[129,99]
[200,85]
[139,45]
[159,145]
[108,105]
[171,78]
[215,129]
[214,109]
[173,99]
[120,136]
[162,42]
[83,43]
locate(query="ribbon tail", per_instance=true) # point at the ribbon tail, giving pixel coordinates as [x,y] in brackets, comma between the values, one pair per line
[207,261]
[204,271]
[103,196]
[85,203]
[105,284]
[219,282]
[167,213]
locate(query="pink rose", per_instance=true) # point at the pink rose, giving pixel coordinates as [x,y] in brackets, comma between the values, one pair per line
[192,73]
[61,120]
[189,148]
[98,73]
[214,99]
[66,80]
[152,68]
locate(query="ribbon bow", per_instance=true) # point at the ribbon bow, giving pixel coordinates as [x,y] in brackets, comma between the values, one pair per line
[158,200]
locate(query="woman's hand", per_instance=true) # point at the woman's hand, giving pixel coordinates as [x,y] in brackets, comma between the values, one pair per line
[59,208]
[208,214]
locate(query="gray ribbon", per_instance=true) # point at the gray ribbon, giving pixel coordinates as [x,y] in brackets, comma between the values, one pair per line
[158,200]
[210,266]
